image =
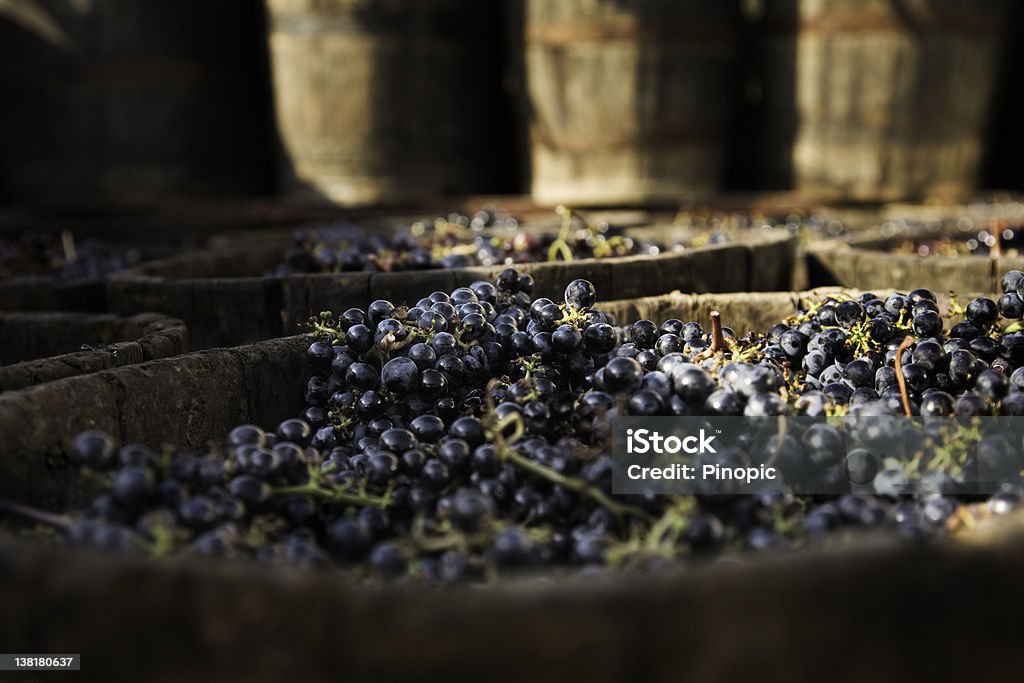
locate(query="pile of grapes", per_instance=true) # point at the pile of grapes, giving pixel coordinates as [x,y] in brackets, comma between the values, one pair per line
[487,238]
[34,254]
[806,226]
[466,436]
[995,240]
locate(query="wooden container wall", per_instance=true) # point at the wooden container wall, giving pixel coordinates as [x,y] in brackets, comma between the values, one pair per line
[177,619]
[43,347]
[224,298]
[866,261]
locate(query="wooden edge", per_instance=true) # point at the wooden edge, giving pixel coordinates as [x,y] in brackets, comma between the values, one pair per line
[803,608]
[157,337]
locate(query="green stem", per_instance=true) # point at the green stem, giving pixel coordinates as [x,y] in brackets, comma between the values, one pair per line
[514,420]
[672,523]
[560,247]
[334,495]
[576,485]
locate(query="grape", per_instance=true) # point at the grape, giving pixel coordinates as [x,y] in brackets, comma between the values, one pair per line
[1012,281]
[399,376]
[477,421]
[94,449]
[849,313]
[580,294]
[982,312]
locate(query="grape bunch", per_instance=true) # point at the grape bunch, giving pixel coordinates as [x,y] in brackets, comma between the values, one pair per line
[807,226]
[348,248]
[847,351]
[33,254]
[487,238]
[467,436]
[997,239]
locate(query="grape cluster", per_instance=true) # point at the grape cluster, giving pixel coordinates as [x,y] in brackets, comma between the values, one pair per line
[347,248]
[487,238]
[44,254]
[806,226]
[995,240]
[467,435]
[847,352]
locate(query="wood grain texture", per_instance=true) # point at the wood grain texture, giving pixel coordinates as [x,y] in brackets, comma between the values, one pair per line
[187,400]
[627,101]
[381,101]
[865,261]
[876,99]
[800,619]
[43,347]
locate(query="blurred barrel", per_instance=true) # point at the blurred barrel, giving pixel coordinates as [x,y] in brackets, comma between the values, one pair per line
[878,99]
[383,100]
[122,101]
[628,100]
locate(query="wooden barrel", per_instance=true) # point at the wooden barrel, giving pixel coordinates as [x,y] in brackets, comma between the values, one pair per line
[119,101]
[224,298]
[384,101]
[878,99]
[627,100]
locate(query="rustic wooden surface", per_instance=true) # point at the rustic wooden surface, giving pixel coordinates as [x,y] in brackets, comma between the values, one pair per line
[383,102]
[221,294]
[862,261]
[43,347]
[879,612]
[187,400]
[45,294]
[627,100]
[875,99]
[743,312]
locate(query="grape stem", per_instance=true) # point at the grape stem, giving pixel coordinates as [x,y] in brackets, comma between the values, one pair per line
[664,533]
[900,379]
[717,338]
[448,538]
[334,495]
[576,485]
[56,521]
[560,247]
[67,241]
